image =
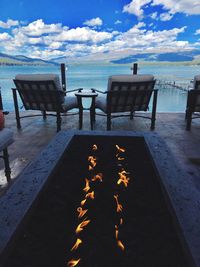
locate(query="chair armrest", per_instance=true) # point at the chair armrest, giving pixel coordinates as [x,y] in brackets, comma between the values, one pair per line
[74,90]
[96,90]
[62,93]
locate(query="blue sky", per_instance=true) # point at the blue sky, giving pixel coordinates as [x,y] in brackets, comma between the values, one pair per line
[98,29]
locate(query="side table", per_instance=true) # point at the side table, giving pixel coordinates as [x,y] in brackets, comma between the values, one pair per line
[86,94]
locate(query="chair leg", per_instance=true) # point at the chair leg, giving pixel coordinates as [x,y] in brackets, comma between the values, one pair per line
[7,165]
[186,115]
[44,114]
[16,108]
[92,117]
[108,122]
[58,121]
[131,115]
[153,117]
[80,118]
[189,121]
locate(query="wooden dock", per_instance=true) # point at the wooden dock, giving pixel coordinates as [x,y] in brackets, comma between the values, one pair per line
[164,84]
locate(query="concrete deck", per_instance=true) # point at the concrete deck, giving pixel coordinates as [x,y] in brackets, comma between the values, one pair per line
[183,186]
[36,134]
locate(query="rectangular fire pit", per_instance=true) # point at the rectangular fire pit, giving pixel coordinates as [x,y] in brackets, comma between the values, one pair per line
[97,200]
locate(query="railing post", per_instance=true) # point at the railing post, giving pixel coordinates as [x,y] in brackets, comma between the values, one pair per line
[135,68]
[63,77]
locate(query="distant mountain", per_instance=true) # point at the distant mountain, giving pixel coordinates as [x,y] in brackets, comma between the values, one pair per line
[59,60]
[23,60]
[167,57]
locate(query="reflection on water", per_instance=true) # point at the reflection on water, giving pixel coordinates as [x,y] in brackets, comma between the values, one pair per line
[96,76]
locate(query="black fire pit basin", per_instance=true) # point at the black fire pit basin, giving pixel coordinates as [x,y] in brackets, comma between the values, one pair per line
[20,205]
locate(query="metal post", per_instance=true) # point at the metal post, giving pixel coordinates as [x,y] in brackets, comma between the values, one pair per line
[135,68]
[7,165]
[153,118]
[1,103]
[63,77]
[16,108]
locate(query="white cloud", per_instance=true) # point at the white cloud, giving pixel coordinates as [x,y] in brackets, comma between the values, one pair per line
[154,15]
[118,22]
[189,7]
[38,39]
[38,28]
[10,23]
[135,7]
[142,40]
[5,36]
[93,22]
[83,34]
[47,53]
[55,45]
[197,32]
[166,16]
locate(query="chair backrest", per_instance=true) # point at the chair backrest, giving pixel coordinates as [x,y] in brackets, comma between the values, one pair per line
[129,92]
[40,91]
[196,82]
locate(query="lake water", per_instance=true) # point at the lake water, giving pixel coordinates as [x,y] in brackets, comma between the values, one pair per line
[96,76]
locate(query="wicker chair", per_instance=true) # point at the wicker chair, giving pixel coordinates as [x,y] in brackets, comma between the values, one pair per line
[42,92]
[125,95]
[193,103]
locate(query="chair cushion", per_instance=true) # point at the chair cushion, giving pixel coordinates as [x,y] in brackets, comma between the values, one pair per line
[129,78]
[70,103]
[6,138]
[40,77]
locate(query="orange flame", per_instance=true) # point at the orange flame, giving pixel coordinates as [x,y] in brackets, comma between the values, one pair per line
[83,224]
[120,245]
[121,221]
[83,202]
[90,168]
[81,212]
[73,262]
[123,178]
[116,232]
[93,162]
[120,149]
[98,176]
[119,206]
[87,185]
[94,147]
[120,158]
[90,195]
[76,245]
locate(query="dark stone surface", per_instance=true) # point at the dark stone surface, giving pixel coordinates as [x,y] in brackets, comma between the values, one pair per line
[183,201]
[21,196]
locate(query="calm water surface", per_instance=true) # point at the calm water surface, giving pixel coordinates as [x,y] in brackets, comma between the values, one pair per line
[96,76]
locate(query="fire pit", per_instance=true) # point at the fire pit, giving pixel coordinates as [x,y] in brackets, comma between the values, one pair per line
[92,200]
